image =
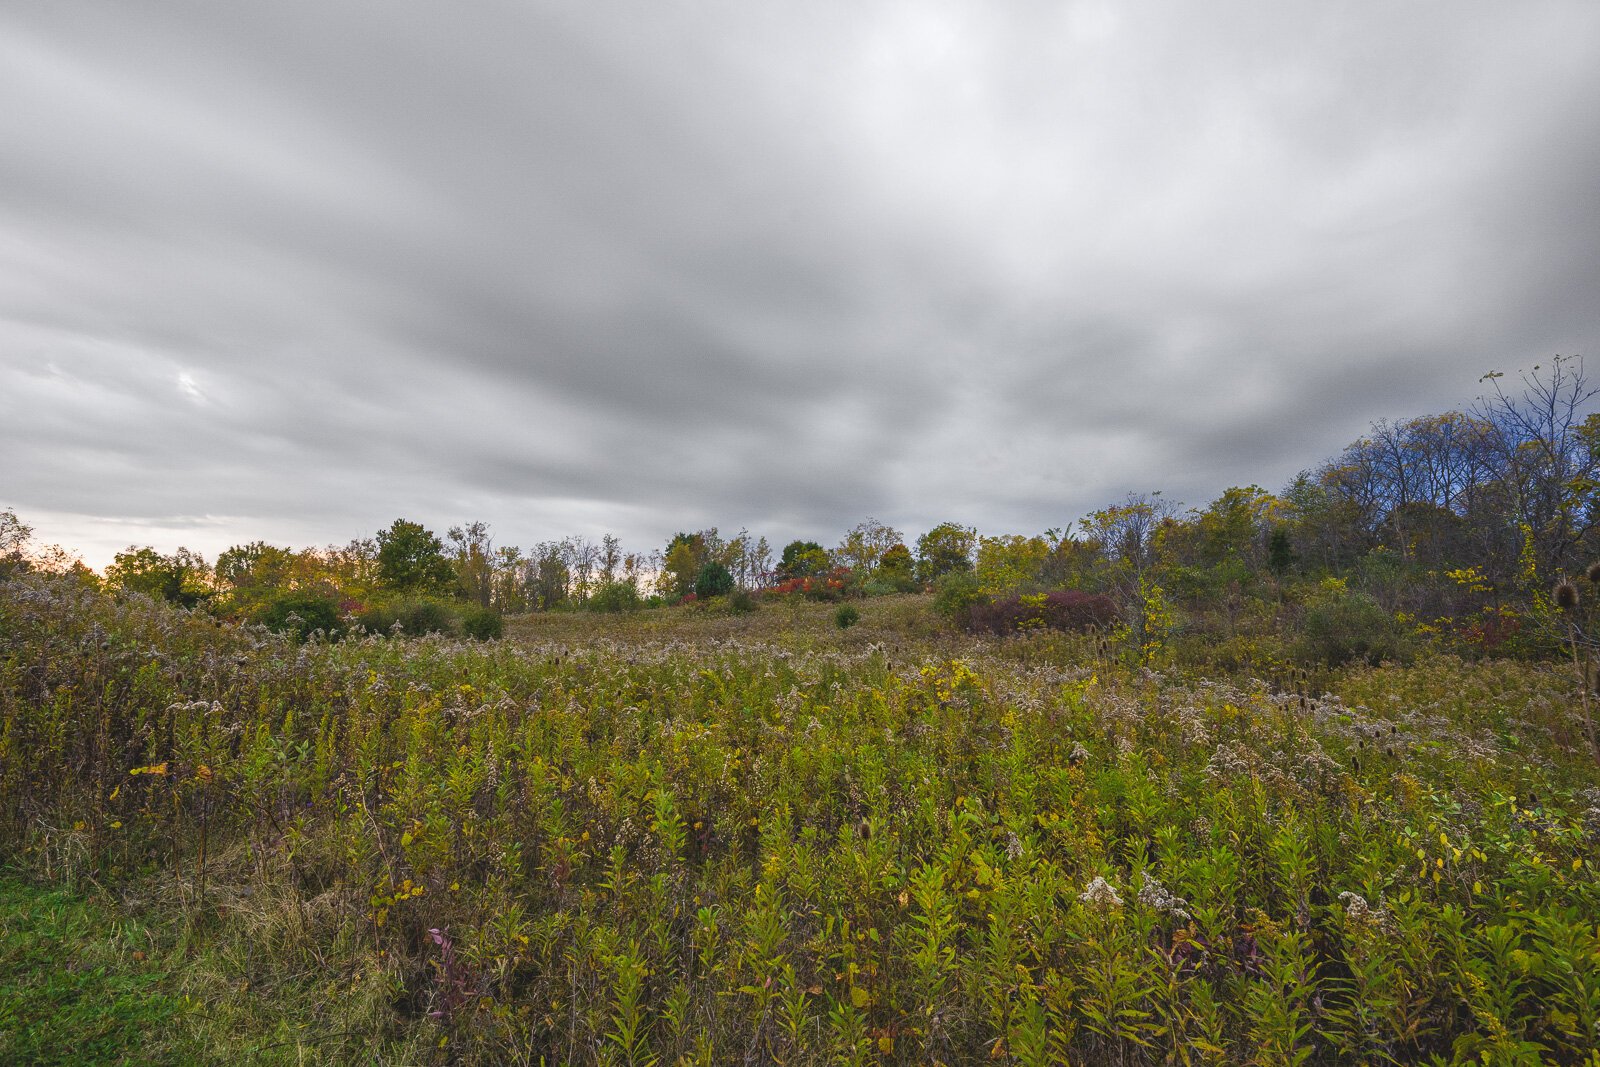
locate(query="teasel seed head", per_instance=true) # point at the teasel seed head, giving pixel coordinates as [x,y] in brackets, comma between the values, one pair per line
[1566,595]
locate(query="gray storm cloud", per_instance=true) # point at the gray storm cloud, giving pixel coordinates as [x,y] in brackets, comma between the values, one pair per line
[288,271]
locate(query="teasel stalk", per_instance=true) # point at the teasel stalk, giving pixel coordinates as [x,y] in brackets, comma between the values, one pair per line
[1566,598]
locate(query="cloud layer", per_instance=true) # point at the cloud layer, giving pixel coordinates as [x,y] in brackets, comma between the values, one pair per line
[289,271]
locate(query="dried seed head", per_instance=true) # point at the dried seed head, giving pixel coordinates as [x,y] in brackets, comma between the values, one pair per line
[1593,573]
[864,828]
[1566,595]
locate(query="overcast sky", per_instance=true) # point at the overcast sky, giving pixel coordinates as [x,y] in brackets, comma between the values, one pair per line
[291,270]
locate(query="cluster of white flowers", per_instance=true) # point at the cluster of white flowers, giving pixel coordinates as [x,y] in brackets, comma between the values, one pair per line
[1192,722]
[1152,894]
[1230,760]
[1099,894]
[1358,911]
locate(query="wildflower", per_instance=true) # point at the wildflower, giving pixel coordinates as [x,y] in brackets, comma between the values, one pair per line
[1078,753]
[1152,894]
[1359,912]
[1099,894]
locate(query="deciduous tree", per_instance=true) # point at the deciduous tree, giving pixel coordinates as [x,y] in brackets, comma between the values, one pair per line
[412,560]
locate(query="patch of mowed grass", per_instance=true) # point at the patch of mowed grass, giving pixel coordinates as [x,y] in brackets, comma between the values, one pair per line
[80,984]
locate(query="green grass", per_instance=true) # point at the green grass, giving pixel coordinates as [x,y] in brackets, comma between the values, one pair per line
[73,990]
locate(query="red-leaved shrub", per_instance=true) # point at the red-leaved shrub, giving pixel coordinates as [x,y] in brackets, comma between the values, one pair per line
[1069,610]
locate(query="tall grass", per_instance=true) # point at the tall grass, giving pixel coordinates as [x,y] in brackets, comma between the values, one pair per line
[764,839]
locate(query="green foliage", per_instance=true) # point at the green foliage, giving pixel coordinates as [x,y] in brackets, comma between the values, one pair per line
[411,560]
[802,559]
[180,578]
[1280,552]
[865,545]
[419,618]
[685,558]
[686,837]
[1344,626]
[955,591]
[483,624]
[614,597]
[896,571]
[380,619]
[412,618]
[1010,564]
[846,617]
[77,984]
[714,579]
[255,567]
[300,614]
[945,548]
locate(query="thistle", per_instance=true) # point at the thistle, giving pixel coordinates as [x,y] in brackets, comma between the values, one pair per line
[1566,595]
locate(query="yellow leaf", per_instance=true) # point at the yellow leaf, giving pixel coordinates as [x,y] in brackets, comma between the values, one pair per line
[860,997]
[886,1044]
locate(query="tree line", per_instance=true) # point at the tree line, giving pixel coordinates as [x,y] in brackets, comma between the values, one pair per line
[1453,521]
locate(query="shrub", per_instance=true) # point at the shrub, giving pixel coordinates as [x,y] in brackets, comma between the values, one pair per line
[614,597]
[741,602]
[421,617]
[300,614]
[954,591]
[1069,610]
[483,624]
[713,580]
[1343,626]
[846,617]
[377,619]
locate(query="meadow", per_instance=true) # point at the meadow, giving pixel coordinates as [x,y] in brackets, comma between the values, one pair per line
[678,836]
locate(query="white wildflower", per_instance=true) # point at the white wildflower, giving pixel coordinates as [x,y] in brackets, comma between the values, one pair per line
[1099,894]
[1358,911]
[1152,894]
